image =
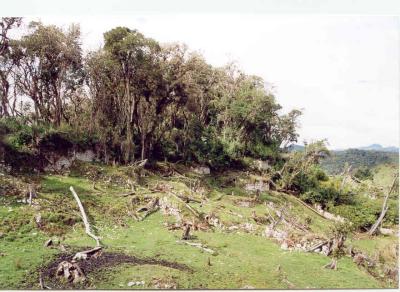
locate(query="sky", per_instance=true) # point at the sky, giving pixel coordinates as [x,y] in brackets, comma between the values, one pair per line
[343,71]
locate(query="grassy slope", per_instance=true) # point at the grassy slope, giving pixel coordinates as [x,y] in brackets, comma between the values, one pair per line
[242,259]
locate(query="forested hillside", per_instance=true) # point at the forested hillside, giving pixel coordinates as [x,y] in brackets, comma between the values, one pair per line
[336,162]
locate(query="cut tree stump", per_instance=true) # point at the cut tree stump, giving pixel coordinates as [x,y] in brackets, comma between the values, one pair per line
[186,233]
[332,265]
[70,271]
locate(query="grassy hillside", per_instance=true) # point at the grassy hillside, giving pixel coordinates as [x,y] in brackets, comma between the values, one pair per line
[242,256]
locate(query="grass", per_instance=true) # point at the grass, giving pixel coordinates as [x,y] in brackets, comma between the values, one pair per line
[242,259]
[21,248]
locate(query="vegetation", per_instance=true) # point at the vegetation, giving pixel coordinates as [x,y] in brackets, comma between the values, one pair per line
[139,98]
[151,114]
[358,159]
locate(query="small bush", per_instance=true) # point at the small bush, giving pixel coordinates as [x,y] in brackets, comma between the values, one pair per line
[363,173]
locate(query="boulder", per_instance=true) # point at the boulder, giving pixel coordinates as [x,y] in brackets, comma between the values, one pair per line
[202,170]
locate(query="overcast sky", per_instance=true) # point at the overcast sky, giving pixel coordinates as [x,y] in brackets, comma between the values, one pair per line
[342,70]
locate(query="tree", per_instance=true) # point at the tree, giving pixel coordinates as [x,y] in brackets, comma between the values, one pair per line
[6,62]
[300,164]
[134,53]
[49,64]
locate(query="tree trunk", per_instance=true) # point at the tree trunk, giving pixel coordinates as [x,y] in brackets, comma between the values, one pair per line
[143,154]
[385,208]
[84,217]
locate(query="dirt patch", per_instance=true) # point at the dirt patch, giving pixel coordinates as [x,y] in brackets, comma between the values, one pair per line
[93,265]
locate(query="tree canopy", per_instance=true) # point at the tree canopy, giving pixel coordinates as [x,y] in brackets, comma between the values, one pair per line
[139,98]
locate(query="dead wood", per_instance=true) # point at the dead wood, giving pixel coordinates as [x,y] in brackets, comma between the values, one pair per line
[198,245]
[235,214]
[84,255]
[191,209]
[259,219]
[48,243]
[308,206]
[186,233]
[41,283]
[147,213]
[31,193]
[332,265]
[345,174]
[127,194]
[84,217]
[150,205]
[71,272]
[316,246]
[188,199]
[150,208]
[385,208]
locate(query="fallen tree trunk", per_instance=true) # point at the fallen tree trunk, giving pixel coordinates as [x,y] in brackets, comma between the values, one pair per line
[198,245]
[306,205]
[84,217]
[83,255]
[188,199]
[192,210]
[385,208]
[316,246]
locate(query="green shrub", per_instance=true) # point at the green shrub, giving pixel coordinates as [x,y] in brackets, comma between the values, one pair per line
[363,173]
[362,218]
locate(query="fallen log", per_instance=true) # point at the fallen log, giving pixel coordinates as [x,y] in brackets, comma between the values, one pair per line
[307,206]
[127,194]
[84,217]
[191,209]
[198,245]
[316,246]
[188,199]
[84,255]
[147,213]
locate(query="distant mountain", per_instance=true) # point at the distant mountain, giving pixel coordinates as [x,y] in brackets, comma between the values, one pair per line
[378,147]
[295,147]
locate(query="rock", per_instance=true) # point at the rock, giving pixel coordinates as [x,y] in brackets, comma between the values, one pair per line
[387,231]
[137,283]
[258,186]
[261,165]
[284,246]
[248,227]
[61,163]
[86,156]
[202,170]
[233,227]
